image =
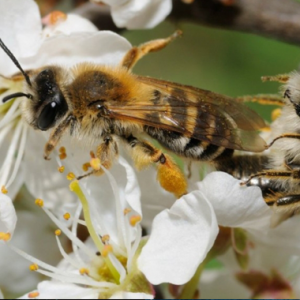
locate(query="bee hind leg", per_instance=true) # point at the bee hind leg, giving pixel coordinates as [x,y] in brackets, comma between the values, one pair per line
[169,175]
[107,152]
[136,53]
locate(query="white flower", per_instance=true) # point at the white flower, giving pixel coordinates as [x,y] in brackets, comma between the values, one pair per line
[180,240]
[137,14]
[20,146]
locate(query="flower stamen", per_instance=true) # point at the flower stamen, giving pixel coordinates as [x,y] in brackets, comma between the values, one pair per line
[5,236]
[33,295]
[34,268]
[4,190]
[71,176]
[39,202]
[134,220]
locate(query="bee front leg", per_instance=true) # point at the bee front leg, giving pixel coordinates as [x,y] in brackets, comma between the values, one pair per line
[136,53]
[107,152]
[169,175]
[57,134]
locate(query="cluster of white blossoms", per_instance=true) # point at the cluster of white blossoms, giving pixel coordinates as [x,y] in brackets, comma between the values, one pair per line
[95,227]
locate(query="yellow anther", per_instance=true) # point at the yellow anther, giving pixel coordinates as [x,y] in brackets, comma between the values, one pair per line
[105,239]
[61,169]
[67,216]
[71,176]
[34,268]
[107,249]
[84,271]
[134,220]
[33,295]
[266,129]
[5,236]
[95,164]
[86,166]
[276,113]
[62,150]
[58,232]
[63,156]
[39,202]
[4,190]
[127,211]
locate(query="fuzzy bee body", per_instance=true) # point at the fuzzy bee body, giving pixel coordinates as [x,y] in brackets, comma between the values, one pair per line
[110,104]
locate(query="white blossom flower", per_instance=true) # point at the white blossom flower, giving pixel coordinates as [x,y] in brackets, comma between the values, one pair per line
[8,218]
[59,43]
[138,14]
[113,212]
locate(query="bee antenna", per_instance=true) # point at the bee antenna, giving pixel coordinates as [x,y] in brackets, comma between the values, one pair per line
[16,95]
[15,61]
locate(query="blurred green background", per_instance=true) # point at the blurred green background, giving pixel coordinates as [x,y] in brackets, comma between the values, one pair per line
[222,61]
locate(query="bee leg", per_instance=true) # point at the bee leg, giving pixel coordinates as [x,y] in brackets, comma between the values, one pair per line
[263,99]
[107,152]
[282,78]
[136,53]
[169,175]
[56,135]
[284,205]
[283,136]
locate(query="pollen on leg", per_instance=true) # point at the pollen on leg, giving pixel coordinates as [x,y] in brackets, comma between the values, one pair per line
[62,156]
[95,164]
[171,178]
[135,219]
[4,190]
[276,113]
[39,202]
[34,268]
[33,295]
[5,236]
[67,216]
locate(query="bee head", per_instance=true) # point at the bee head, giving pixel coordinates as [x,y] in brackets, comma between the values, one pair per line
[47,104]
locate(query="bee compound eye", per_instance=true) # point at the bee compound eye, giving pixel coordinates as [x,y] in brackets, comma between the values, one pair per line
[48,116]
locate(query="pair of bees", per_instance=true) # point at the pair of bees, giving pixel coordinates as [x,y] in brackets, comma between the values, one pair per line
[112,106]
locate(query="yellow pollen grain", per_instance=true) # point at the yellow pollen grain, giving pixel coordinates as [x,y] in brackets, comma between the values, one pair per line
[67,216]
[58,232]
[134,220]
[95,164]
[61,169]
[5,236]
[63,156]
[105,239]
[33,295]
[34,268]
[4,190]
[86,166]
[71,176]
[107,249]
[39,202]
[84,271]
[127,211]
[276,113]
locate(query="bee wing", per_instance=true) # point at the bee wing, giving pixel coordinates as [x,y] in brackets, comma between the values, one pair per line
[196,113]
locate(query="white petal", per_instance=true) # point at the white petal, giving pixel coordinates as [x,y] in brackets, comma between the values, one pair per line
[20,29]
[126,295]
[59,290]
[180,241]
[234,205]
[73,23]
[137,14]
[132,189]
[112,2]
[102,47]
[8,216]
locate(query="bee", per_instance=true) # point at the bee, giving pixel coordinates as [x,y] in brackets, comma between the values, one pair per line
[113,106]
[276,172]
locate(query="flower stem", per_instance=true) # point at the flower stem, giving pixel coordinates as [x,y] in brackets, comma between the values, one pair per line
[191,287]
[75,187]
